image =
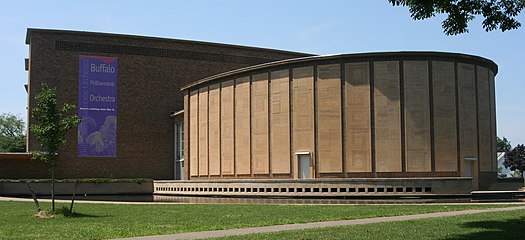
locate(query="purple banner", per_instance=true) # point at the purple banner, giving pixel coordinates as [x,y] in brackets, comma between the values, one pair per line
[97,106]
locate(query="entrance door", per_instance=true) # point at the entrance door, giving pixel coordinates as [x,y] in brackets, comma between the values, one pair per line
[304,166]
[468,169]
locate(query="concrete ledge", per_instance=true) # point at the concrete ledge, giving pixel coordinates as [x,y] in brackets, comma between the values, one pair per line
[113,188]
[360,187]
[14,156]
[510,184]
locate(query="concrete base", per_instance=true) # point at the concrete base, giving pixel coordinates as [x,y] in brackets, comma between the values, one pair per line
[510,184]
[318,187]
[487,180]
[21,188]
[500,196]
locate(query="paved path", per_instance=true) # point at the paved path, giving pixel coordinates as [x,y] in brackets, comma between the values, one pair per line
[19,199]
[277,228]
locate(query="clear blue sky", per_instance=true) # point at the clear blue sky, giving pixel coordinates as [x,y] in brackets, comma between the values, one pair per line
[320,27]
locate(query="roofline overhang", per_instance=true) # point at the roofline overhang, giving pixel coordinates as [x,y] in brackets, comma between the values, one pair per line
[177,113]
[30,31]
[406,55]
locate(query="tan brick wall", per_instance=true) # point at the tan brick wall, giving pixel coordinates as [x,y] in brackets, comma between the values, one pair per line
[242,126]
[303,127]
[280,122]
[467,119]
[357,119]
[194,133]
[387,116]
[214,129]
[417,116]
[424,121]
[227,130]
[329,130]
[483,98]
[259,124]
[445,134]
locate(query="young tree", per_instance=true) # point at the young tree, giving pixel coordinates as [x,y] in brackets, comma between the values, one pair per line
[51,128]
[12,133]
[515,159]
[503,145]
[497,14]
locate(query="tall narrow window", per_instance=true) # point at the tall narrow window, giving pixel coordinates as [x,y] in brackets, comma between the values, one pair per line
[179,151]
[179,144]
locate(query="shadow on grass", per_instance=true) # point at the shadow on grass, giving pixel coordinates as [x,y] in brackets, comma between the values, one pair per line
[508,229]
[65,211]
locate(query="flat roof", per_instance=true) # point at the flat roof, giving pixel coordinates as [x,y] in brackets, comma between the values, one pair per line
[410,55]
[31,31]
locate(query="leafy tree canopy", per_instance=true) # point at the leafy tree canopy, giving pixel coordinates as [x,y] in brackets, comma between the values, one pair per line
[503,145]
[52,123]
[497,14]
[12,133]
[515,159]
[51,128]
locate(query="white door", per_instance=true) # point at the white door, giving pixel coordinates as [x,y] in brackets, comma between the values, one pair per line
[468,169]
[304,166]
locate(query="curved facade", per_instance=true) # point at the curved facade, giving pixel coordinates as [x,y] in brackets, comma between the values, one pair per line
[381,123]
[375,115]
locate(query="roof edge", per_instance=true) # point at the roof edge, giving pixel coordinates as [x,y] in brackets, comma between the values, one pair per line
[30,31]
[487,62]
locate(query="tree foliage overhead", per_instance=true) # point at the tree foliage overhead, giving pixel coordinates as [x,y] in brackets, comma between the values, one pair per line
[497,14]
[503,145]
[515,159]
[51,128]
[12,133]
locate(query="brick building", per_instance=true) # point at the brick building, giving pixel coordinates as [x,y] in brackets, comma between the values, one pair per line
[212,113]
[151,72]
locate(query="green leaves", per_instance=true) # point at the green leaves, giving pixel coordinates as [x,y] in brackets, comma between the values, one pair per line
[503,145]
[497,14]
[52,123]
[51,129]
[12,133]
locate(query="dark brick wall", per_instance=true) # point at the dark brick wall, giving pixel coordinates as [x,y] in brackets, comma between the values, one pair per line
[148,90]
[20,165]
[487,179]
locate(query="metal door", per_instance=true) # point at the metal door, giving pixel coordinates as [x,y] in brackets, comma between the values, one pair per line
[468,169]
[304,166]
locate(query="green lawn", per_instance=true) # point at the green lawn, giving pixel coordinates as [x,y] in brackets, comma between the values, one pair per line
[102,221]
[489,226]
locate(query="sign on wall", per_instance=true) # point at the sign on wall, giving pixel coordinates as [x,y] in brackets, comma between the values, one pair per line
[97,106]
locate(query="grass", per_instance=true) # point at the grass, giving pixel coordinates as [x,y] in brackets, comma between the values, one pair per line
[497,225]
[103,221]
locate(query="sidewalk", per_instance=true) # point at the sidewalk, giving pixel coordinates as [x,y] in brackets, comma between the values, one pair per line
[277,228]
[18,199]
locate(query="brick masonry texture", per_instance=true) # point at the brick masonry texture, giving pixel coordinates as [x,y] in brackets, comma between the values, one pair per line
[148,91]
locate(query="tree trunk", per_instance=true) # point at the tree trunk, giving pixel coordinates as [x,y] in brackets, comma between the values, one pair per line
[53,186]
[73,198]
[33,194]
